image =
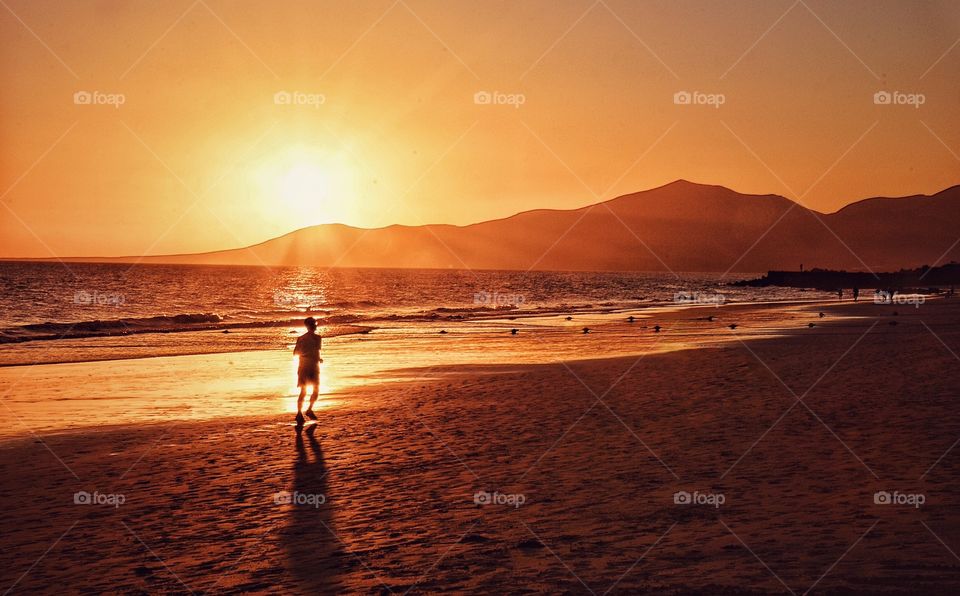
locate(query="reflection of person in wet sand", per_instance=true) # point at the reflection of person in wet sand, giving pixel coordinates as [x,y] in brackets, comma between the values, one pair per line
[308,370]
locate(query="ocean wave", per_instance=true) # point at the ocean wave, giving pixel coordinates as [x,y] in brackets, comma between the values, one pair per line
[351,304]
[151,322]
[137,325]
[207,321]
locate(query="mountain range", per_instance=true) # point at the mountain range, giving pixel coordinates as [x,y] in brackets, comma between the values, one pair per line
[681,226]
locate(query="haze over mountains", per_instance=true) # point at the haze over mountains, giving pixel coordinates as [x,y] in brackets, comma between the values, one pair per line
[680,227]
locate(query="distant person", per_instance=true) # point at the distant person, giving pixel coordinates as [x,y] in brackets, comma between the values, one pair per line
[856,294]
[308,370]
[840,294]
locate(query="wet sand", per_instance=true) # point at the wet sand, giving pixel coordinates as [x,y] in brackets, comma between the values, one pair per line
[582,460]
[84,395]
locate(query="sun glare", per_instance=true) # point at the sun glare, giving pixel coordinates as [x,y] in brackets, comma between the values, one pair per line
[309,186]
[305,186]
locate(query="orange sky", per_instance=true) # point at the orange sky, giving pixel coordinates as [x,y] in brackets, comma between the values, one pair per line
[199,156]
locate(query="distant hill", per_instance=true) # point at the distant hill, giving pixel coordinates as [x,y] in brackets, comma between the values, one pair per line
[681,226]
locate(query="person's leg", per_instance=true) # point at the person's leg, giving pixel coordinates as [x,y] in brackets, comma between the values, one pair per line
[313,399]
[303,393]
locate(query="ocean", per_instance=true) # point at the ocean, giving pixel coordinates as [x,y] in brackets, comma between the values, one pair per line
[53,312]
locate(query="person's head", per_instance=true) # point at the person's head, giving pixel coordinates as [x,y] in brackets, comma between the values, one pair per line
[310,323]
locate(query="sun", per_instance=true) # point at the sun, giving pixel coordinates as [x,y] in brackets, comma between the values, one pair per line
[305,186]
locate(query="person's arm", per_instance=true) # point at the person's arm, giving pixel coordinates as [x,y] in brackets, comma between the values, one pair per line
[296,348]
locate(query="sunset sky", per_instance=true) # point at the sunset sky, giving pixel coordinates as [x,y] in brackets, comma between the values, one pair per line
[383,124]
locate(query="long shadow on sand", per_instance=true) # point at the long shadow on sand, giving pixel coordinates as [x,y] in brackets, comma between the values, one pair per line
[313,550]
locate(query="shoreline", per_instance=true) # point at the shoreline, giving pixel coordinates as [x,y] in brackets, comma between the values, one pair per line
[842,314]
[362,326]
[249,382]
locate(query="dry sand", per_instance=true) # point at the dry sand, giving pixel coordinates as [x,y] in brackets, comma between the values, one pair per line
[594,449]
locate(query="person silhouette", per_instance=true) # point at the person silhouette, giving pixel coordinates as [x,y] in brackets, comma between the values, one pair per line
[308,369]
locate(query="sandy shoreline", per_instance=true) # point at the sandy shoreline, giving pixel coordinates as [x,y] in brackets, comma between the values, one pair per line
[231,338]
[164,388]
[594,449]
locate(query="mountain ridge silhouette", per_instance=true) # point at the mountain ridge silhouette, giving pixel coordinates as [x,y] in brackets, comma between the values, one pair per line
[680,226]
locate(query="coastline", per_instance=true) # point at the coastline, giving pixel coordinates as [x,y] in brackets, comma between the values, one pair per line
[121,339]
[212,385]
[399,464]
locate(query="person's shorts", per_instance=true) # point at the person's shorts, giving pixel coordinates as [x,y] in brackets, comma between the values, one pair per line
[308,374]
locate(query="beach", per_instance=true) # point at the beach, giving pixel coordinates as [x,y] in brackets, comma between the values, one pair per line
[413,297]
[749,465]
